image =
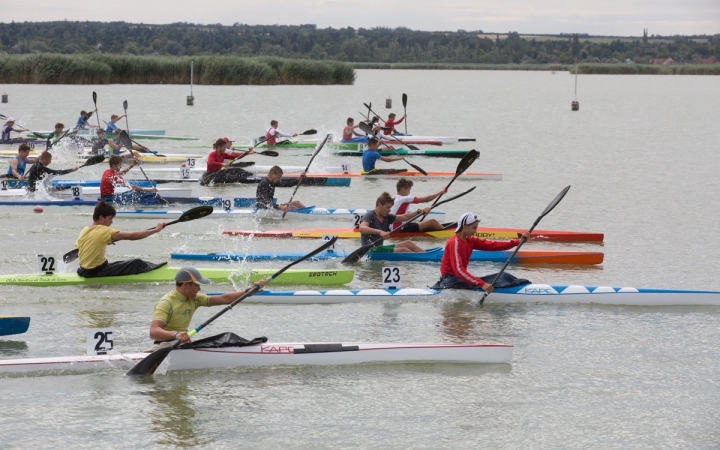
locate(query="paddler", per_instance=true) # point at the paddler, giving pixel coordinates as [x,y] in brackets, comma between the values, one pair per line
[114,177]
[8,128]
[40,169]
[403,200]
[266,190]
[391,122]
[82,122]
[112,127]
[458,249]
[174,312]
[349,134]
[272,134]
[229,150]
[94,239]
[218,170]
[375,227]
[372,154]
[116,146]
[19,162]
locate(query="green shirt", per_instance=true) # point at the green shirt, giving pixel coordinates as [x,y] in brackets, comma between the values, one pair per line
[176,310]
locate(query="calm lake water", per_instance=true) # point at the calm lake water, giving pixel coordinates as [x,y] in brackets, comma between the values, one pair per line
[641,155]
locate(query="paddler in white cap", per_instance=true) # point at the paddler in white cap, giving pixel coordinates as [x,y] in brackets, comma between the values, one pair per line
[458,249]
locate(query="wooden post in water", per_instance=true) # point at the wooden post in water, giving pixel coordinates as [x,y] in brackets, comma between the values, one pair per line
[190,98]
[575,105]
[4,98]
[388,103]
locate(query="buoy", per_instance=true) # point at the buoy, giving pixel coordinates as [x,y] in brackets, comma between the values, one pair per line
[4,98]
[388,103]
[38,209]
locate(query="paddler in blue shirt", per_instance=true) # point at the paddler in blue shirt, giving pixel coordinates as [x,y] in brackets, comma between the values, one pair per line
[8,128]
[19,163]
[82,122]
[111,128]
[174,312]
[372,154]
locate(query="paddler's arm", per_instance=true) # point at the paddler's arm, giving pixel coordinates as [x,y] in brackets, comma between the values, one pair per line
[391,158]
[137,235]
[230,297]
[409,215]
[365,228]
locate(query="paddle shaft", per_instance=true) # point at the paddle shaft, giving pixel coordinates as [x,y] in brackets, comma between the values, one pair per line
[550,207]
[462,166]
[320,146]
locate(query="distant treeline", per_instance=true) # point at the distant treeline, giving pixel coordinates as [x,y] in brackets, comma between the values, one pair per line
[118,69]
[377,45]
[584,68]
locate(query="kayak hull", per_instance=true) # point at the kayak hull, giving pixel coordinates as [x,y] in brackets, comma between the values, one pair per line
[484,233]
[274,354]
[431,255]
[309,212]
[13,325]
[166,274]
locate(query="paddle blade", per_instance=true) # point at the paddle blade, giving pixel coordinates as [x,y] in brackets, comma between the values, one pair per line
[269,153]
[466,162]
[241,163]
[308,132]
[554,203]
[149,365]
[367,129]
[125,140]
[91,161]
[419,169]
[95,98]
[412,147]
[125,105]
[71,256]
[357,255]
[404,100]
[196,213]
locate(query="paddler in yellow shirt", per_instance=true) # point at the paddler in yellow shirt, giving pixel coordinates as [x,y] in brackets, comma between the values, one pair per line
[93,242]
[173,313]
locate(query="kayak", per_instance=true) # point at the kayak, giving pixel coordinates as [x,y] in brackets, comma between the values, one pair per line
[167,274]
[149,199]
[484,233]
[137,136]
[528,293]
[606,295]
[430,255]
[310,211]
[13,325]
[313,143]
[414,174]
[272,354]
[403,152]
[155,132]
[256,169]
[94,191]
[310,180]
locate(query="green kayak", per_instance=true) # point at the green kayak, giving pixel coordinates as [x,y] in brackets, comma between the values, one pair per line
[166,274]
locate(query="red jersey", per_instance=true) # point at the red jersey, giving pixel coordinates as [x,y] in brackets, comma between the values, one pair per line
[457,256]
[215,161]
[109,179]
[390,125]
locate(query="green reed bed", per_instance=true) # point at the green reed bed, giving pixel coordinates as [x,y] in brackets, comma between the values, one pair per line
[209,70]
[461,66]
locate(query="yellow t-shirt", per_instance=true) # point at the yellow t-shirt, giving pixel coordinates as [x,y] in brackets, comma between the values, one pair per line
[92,242]
[176,310]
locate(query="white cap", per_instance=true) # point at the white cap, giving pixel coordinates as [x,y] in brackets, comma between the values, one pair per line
[466,219]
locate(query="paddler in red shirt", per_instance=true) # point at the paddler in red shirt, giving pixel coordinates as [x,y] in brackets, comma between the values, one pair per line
[458,249]
[390,124]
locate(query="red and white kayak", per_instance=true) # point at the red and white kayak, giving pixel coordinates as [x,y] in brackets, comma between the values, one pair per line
[413,174]
[273,354]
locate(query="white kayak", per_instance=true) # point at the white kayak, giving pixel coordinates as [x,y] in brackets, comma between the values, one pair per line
[257,169]
[529,293]
[94,191]
[308,212]
[273,354]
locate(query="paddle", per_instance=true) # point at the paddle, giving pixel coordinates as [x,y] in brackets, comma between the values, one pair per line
[191,214]
[309,132]
[127,142]
[365,127]
[404,100]
[91,161]
[150,363]
[240,163]
[549,208]
[317,150]
[98,114]
[355,256]
[462,166]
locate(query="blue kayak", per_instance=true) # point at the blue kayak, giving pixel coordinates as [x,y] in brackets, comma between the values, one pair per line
[13,325]
[147,200]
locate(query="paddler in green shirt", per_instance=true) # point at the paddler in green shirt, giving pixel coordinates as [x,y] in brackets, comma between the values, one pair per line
[175,310]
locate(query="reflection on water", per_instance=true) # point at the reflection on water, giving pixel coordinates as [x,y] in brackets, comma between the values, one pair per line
[12,348]
[464,321]
[95,319]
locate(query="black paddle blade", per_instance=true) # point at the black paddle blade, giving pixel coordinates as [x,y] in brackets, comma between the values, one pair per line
[149,365]
[97,159]
[419,169]
[71,256]
[412,147]
[367,129]
[240,163]
[269,153]
[125,106]
[197,212]
[308,132]
[404,100]
[357,255]
[554,203]
[125,140]
[467,161]
[95,98]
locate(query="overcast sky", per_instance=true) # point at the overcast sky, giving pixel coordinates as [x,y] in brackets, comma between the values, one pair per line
[595,17]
